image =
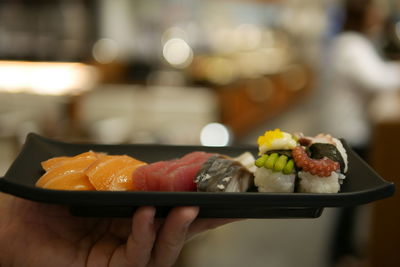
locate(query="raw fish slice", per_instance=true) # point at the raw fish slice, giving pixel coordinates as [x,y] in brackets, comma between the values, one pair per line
[182,178]
[186,160]
[101,174]
[51,163]
[173,175]
[182,172]
[78,163]
[70,181]
[147,178]
[223,174]
[182,181]
[122,180]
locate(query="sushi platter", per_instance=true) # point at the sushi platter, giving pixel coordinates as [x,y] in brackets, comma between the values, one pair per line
[361,185]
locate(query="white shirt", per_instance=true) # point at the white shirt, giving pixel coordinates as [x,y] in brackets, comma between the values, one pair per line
[356,71]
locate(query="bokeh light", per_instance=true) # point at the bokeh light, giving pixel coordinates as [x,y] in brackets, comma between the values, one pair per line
[215,134]
[105,51]
[178,53]
[173,32]
[49,78]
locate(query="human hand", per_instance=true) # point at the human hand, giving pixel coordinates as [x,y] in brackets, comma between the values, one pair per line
[37,234]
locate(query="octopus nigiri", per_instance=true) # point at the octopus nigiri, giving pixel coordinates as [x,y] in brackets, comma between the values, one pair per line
[322,162]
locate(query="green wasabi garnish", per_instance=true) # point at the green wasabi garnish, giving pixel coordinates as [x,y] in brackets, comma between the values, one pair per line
[288,169]
[280,163]
[271,160]
[261,160]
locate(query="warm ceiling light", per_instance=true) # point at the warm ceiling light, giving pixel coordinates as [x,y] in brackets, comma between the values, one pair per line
[52,78]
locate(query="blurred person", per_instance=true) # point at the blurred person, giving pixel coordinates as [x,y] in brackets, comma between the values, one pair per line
[38,234]
[356,73]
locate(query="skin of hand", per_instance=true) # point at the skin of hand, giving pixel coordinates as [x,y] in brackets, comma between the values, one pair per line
[38,234]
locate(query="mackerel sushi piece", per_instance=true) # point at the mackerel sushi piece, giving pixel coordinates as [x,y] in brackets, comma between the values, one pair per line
[224,174]
[172,175]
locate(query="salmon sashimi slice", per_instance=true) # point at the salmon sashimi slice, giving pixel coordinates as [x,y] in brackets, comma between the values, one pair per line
[105,170]
[78,163]
[50,163]
[122,180]
[70,181]
[173,175]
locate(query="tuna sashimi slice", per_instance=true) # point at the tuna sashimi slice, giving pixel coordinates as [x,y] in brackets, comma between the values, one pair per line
[172,175]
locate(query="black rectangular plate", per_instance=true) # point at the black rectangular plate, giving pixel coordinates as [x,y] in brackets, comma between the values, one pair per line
[362,185]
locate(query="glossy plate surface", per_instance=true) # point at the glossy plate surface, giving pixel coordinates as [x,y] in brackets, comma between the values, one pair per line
[362,185]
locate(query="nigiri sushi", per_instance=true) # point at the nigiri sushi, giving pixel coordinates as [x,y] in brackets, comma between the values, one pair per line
[323,164]
[275,167]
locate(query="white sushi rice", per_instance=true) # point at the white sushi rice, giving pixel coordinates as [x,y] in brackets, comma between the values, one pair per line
[269,181]
[314,184]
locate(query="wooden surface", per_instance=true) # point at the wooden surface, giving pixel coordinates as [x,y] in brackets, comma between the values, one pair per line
[385,232]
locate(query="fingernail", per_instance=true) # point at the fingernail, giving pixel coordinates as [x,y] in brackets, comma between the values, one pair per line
[152,213]
[196,212]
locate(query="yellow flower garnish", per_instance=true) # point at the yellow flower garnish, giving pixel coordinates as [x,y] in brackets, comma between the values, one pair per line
[275,140]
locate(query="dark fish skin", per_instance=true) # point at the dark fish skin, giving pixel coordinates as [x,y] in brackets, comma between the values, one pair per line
[219,173]
[321,150]
[287,153]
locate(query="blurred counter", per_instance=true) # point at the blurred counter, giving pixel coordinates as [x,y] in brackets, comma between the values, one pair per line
[249,103]
[138,114]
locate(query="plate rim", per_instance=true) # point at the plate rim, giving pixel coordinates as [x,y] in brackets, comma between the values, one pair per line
[341,199]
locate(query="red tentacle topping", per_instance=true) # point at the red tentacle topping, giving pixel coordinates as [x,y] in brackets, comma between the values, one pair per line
[320,167]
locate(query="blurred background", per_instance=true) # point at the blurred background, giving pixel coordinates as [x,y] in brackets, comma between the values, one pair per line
[217,73]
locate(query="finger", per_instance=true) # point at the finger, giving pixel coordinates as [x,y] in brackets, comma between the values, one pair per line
[99,254]
[121,227]
[201,225]
[172,235]
[140,242]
